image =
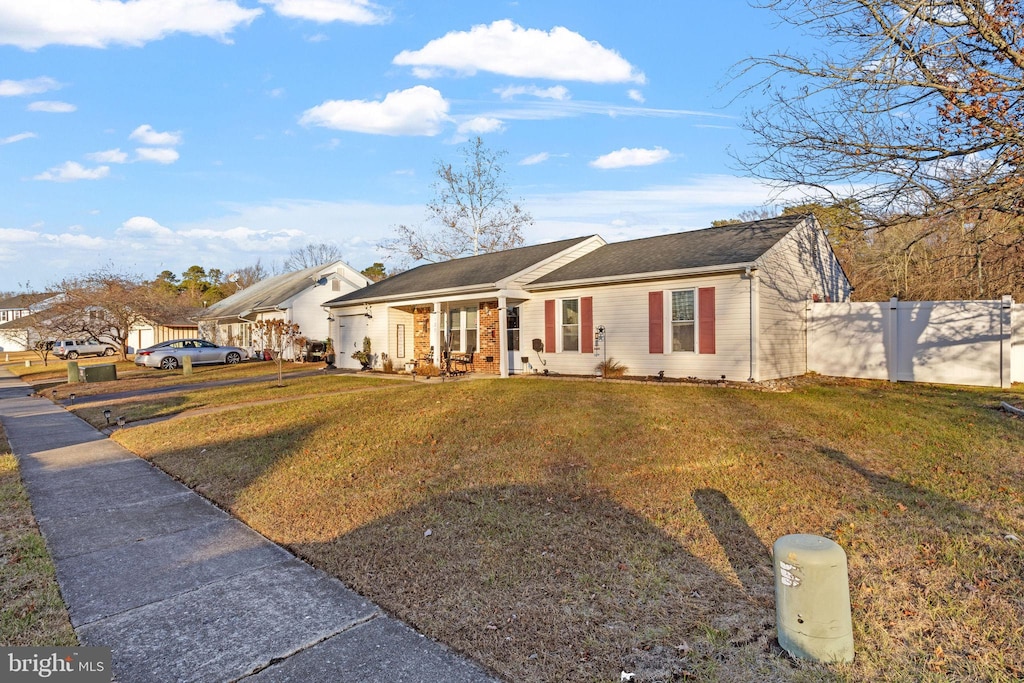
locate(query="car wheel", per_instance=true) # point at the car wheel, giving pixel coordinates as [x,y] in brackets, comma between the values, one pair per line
[72,355]
[169,363]
[108,351]
[233,358]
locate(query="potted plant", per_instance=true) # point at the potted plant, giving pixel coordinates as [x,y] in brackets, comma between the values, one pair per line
[365,357]
[329,353]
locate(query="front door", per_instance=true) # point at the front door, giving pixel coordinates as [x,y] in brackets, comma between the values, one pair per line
[512,323]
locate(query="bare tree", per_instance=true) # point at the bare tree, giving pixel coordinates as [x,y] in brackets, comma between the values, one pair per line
[108,304]
[915,109]
[248,276]
[471,212]
[313,254]
[278,335]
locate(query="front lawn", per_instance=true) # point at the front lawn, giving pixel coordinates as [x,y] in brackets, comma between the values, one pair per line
[562,531]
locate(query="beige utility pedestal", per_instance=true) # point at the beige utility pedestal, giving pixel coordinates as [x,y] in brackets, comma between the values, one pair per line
[812,599]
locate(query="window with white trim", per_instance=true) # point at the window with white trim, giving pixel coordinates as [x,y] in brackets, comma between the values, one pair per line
[455,330]
[570,324]
[683,320]
[471,330]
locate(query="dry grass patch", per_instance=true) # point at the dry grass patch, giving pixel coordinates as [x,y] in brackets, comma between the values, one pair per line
[32,612]
[579,529]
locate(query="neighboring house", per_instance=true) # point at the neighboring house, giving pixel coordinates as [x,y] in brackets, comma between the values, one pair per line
[296,297]
[726,301]
[12,338]
[153,332]
[20,334]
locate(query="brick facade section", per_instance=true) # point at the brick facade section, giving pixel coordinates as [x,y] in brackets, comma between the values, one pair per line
[421,331]
[490,342]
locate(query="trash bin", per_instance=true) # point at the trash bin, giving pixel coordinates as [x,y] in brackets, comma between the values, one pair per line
[107,372]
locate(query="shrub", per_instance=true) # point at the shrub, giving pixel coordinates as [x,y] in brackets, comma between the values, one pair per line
[611,368]
[427,370]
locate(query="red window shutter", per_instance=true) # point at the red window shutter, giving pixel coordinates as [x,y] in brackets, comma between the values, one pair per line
[586,324]
[656,322]
[706,315]
[549,325]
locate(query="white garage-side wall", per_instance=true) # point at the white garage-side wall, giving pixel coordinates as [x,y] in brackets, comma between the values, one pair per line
[623,309]
[799,268]
[351,326]
[400,337]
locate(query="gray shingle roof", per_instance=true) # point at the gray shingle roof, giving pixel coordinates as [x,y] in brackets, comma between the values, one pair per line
[21,301]
[264,294]
[483,270]
[740,243]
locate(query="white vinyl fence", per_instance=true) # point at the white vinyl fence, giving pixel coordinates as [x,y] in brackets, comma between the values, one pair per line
[947,342]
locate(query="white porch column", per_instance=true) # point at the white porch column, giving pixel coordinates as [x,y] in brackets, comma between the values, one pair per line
[503,336]
[436,323]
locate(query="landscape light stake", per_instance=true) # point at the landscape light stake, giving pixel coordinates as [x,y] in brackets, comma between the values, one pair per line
[106,415]
[120,420]
[72,397]
[54,394]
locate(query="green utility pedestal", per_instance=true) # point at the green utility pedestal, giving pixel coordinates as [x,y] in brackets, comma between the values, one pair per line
[812,599]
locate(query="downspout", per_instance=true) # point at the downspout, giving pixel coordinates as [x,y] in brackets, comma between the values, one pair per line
[753,282]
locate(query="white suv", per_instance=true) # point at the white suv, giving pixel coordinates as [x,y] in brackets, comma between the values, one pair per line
[73,348]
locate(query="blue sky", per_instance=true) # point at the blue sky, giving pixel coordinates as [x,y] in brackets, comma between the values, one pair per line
[157,134]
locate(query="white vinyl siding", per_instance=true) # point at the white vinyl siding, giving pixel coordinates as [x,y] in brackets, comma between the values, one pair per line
[796,268]
[623,310]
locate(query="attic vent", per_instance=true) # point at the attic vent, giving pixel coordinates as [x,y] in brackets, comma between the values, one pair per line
[336,285]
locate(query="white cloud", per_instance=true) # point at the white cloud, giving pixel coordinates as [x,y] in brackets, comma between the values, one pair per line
[52,107]
[538,158]
[420,110]
[110,156]
[72,170]
[31,86]
[275,93]
[555,92]
[631,157]
[511,50]
[32,24]
[147,136]
[635,95]
[161,155]
[480,125]
[324,11]
[17,138]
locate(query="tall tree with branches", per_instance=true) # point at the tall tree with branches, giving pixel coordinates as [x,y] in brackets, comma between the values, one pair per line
[914,109]
[313,254]
[471,212]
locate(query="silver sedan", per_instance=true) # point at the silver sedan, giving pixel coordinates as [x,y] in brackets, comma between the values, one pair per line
[170,355]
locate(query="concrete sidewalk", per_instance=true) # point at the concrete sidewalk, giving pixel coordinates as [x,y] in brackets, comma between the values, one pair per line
[180,590]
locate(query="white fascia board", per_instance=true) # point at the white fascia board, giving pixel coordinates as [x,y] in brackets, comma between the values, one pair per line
[641,277]
[417,298]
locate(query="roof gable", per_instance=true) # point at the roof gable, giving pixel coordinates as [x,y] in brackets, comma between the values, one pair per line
[270,293]
[482,271]
[741,243]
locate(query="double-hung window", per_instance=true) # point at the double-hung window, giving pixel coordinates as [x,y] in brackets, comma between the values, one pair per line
[471,330]
[683,320]
[455,330]
[570,324]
